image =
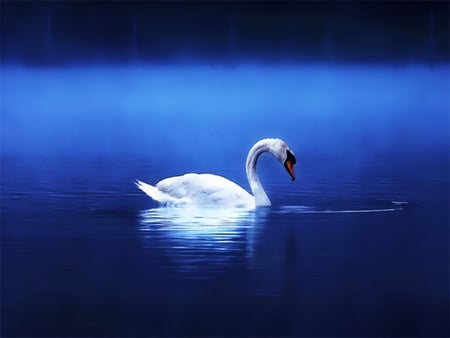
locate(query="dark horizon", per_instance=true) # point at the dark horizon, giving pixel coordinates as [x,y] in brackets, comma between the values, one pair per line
[60,33]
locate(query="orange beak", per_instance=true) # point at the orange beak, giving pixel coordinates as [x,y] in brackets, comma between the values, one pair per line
[290,169]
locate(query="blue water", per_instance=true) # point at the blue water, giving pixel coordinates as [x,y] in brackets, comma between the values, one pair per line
[356,246]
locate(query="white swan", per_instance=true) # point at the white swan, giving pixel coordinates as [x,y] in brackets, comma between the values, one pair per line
[212,190]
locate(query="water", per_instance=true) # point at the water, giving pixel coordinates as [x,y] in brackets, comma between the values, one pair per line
[356,246]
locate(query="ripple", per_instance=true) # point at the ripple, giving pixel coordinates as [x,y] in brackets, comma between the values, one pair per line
[302,209]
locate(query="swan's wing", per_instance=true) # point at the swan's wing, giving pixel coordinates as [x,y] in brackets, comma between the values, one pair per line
[206,189]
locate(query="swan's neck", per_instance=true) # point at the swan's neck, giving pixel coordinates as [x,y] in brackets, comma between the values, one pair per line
[259,194]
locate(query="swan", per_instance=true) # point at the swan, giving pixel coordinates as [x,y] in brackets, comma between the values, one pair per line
[213,190]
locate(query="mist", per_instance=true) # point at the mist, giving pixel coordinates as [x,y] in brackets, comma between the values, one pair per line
[356,111]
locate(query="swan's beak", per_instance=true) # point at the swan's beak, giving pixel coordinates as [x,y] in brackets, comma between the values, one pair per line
[290,169]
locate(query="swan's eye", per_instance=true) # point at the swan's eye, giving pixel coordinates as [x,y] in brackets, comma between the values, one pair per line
[290,157]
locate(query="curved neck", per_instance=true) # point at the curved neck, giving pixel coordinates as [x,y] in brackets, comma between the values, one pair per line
[259,194]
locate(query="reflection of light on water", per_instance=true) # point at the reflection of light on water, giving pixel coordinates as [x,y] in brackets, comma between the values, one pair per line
[215,228]
[198,239]
[205,217]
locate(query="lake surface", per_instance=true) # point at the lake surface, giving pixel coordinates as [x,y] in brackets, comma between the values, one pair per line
[358,245]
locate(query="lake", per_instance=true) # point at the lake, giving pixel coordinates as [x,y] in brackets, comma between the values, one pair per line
[358,245]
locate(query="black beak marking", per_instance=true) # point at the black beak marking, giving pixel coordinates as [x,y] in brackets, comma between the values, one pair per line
[290,157]
[289,164]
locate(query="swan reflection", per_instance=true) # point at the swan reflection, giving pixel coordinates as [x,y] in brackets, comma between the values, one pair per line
[207,218]
[192,238]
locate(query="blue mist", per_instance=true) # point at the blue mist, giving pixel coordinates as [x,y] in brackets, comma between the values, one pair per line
[326,109]
[358,245]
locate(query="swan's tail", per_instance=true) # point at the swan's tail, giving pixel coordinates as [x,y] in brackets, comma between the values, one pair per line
[148,189]
[154,193]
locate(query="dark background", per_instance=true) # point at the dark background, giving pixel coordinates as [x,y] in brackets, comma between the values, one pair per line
[97,94]
[43,33]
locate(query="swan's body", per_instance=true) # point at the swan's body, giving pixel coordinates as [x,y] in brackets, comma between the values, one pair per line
[212,190]
[199,190]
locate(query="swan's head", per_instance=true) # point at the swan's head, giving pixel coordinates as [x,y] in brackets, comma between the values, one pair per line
[282,153]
